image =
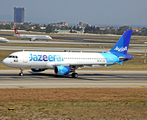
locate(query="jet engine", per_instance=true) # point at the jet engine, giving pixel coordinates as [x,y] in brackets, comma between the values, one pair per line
[37,69]
[32,39]
[62,70]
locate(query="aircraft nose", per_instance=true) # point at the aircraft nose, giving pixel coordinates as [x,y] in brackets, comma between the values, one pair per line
[7,40]
[5,61]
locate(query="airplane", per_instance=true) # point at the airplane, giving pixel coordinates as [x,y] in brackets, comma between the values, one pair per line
[3,40]
[32,37]
[64,63]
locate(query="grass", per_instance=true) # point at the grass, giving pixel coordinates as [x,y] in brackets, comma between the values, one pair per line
[110,95]
[72,103]
[4,54]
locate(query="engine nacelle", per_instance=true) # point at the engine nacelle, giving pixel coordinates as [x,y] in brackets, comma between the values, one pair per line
[62,70]
[37,69]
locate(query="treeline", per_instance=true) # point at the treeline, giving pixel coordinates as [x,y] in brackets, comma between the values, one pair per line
[112,30]
[97,30]
[74,29]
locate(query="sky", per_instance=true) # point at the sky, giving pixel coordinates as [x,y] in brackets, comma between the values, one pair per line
[94,12]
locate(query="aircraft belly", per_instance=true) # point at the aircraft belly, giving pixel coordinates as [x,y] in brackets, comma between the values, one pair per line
[38,64]
[50,65]
[93,66]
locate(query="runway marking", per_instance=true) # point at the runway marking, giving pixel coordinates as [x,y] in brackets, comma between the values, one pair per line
[136,86]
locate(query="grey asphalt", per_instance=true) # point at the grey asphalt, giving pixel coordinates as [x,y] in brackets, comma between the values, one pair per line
[70,43]
[87,79]
[57,42]
[51,49]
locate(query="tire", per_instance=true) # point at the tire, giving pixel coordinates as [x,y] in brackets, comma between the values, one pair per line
[74,75]
[20,74]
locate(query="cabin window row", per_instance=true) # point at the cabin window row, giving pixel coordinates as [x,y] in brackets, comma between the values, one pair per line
[77,58]
[86,58]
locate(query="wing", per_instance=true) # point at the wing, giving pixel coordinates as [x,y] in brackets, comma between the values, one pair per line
[78,65]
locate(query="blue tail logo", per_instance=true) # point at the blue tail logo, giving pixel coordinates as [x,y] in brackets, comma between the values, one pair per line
[123,43]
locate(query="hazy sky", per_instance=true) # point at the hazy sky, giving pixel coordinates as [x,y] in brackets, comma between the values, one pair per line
[95,12]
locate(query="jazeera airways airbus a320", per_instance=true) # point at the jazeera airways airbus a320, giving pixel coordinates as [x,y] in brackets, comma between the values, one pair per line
[64,63]
[32,37]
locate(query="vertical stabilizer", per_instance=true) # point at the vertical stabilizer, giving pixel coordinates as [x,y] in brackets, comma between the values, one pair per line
[123,43]
[16,32]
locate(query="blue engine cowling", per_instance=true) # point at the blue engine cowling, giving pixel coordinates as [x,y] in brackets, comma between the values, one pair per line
[62,70]
[37,69]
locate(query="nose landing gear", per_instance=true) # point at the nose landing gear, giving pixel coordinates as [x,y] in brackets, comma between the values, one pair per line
[21,72]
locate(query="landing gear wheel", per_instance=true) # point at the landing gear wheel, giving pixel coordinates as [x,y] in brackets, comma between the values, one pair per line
[74,75]
[20,74]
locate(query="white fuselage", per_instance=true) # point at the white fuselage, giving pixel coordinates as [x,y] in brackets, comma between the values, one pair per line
[47,60]
[3,39]
[34,37]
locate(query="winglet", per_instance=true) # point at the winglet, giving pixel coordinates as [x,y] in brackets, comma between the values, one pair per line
[123,43]
[16,32]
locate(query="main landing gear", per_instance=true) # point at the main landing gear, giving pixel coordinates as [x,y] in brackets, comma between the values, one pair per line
[21,72]
[74,75]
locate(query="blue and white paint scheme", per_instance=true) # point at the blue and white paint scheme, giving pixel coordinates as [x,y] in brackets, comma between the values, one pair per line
[64,63]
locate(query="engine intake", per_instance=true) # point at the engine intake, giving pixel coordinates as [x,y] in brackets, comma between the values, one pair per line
[62,70]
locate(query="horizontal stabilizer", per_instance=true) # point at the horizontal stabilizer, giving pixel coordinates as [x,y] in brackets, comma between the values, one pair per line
[123,58]
[127,57]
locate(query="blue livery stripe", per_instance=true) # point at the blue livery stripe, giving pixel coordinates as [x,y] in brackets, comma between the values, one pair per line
[110,58]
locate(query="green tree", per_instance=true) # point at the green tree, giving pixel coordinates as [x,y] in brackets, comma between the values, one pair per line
[122,29]
[1,26]
[144,31]
[71,30]
[8,27]
[87,29]
[22,27]
[49,29]
[37,27]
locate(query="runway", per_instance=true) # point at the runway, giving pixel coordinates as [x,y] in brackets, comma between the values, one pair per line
[86,79]
[71,43]
[60,49]
[57,42]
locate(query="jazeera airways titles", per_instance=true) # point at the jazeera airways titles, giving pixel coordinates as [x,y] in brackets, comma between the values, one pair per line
[121,49]
[45,58]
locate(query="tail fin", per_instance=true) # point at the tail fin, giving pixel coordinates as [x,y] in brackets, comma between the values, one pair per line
[16,32]
[123,43]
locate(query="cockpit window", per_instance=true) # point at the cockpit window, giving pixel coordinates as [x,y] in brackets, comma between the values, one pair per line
[12,56]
